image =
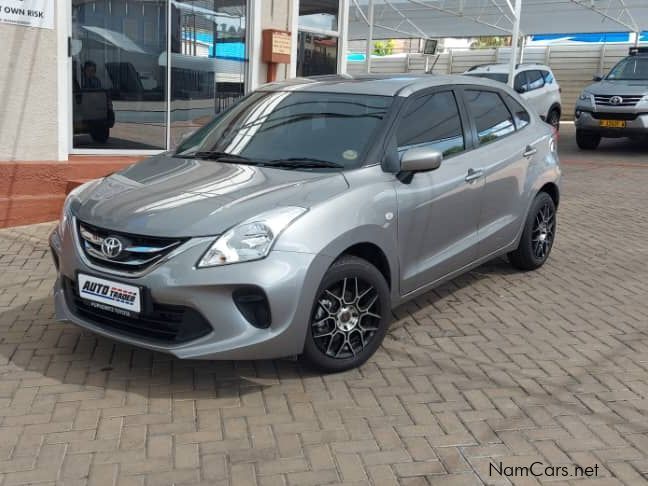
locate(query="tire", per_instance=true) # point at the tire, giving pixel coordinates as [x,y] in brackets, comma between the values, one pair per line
[587,141]
[100,134]
[344,331]
[553,118]
[538,235]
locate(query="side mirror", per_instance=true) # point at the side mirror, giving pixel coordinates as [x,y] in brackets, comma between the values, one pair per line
[421,159]
[521,89]
[597,78]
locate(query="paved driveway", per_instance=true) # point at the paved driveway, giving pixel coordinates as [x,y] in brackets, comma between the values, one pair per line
[492,371]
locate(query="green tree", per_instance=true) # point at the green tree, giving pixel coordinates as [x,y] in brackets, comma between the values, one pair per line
[384,48]
[489,42]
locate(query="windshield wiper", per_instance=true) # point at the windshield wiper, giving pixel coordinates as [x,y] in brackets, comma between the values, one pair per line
[304,163]
[217,155]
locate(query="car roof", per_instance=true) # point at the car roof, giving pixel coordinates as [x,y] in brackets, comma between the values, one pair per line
[504,68]
[376,84]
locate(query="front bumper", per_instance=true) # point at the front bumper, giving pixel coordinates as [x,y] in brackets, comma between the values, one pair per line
[289,280]
[590,121]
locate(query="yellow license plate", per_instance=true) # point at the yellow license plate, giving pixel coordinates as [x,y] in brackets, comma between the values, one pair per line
[613,123]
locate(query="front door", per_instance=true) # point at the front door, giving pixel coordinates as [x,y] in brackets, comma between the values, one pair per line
[438,211]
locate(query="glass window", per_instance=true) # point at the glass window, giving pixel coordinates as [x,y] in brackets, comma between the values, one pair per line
[208,61]
[319,14]
[316,54]
[535,80]
[521,83]
[522,117]
[631,68]
[267,126]
[491,115]
[432,120]
[118,80]
[548,77]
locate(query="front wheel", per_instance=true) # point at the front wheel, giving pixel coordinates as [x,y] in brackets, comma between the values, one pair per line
[537,236]
[350,316]
[587,141]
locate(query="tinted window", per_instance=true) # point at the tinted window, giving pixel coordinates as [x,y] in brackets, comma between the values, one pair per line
[520,82]
[631,68]
[433,120]
[548,77]
[491,115]
[267,126]
[522,117]
[535,80]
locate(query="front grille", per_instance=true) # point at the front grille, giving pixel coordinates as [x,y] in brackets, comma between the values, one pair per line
[620,100]
[158,322]
[615,116]
[137,252]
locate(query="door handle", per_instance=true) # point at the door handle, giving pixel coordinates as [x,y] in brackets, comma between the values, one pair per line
[530,151]
[473,175]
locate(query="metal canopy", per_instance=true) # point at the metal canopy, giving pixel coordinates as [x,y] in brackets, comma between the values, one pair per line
[463,18]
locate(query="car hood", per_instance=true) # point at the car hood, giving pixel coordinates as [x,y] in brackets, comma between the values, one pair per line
[610,88]
[177,197]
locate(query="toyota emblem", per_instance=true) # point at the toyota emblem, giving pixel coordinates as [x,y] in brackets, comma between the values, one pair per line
[111,247]
[616,100]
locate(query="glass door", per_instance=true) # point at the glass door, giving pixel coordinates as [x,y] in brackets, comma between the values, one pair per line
[119,96]
[208,61]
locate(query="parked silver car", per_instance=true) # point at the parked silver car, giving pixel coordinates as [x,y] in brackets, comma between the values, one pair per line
[293,223]
[616,105]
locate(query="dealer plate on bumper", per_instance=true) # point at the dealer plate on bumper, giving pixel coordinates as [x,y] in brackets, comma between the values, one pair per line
[612,123]
[110,295]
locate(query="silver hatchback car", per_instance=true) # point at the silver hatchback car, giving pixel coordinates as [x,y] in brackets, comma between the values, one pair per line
[295,221]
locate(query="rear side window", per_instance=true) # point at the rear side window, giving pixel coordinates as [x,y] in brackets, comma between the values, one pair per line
[548,77]
[432,120]
[522,117]
[535,80]
[520,82]
[492,117]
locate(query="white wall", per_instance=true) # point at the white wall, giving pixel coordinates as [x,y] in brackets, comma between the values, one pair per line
[573,65]
[28,93]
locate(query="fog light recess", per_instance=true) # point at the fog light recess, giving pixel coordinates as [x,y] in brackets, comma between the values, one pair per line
[253,304]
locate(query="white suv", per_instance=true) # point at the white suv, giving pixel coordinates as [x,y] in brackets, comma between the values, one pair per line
[536,83]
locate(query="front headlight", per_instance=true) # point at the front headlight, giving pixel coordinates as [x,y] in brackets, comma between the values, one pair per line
[250,240]
[587,96]
[65,211]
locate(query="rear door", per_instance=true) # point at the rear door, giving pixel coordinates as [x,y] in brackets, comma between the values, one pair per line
[438,211]
[503,152]
[536,94]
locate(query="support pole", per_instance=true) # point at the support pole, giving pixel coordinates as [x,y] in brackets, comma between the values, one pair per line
[637,39]
[514,42]
[369,48]
[522,47]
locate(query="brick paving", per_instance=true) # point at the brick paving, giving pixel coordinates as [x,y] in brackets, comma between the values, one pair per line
[494,367]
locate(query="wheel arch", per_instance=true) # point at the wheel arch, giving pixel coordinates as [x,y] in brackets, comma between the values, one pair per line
[556,106]
[373,254]
[552,189]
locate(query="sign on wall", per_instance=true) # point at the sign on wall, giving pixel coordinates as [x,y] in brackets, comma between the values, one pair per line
[29,13]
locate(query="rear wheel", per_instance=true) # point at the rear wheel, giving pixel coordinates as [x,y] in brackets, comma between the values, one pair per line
[538,235]
[553,118]
[587,141]
[350,316]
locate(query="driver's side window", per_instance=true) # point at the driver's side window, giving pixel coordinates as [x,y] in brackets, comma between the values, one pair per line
[432,121]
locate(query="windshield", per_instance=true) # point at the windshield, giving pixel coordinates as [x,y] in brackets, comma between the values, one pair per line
[329,129]
[631,68]
[501,77]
